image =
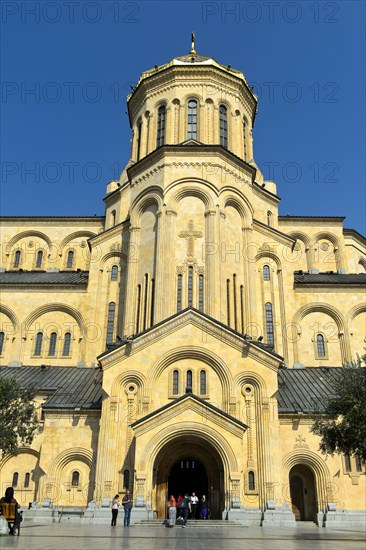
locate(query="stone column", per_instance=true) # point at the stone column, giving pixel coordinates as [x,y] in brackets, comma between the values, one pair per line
[132,273]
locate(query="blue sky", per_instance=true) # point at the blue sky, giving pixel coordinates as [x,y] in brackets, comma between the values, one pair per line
[65,140]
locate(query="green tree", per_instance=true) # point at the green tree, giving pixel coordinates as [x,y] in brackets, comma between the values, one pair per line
[341,422]
[18,418]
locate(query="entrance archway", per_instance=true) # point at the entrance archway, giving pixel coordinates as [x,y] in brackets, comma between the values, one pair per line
[303,493]
[189,464]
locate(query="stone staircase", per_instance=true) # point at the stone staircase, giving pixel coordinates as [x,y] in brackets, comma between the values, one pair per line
[210,523]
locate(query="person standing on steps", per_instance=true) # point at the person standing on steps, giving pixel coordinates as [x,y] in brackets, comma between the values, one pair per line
[127,505]
[186,509]
[194,504]
[204,507]
[172,511]
[115,507]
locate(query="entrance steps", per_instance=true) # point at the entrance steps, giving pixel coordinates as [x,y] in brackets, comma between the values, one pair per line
[192,523]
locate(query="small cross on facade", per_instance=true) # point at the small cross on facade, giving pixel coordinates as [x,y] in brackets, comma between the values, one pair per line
[190,234]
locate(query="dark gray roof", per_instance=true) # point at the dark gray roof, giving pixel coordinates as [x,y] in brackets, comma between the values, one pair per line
[301,278]
[44,278]
[304,390]
[69,387]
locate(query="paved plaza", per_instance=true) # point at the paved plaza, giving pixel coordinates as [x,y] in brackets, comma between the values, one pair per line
[101,537]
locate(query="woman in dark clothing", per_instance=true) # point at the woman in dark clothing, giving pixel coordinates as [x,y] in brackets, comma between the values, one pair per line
[9,499]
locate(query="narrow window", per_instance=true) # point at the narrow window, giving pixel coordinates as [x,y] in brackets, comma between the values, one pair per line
[110,322]
[269,218]
[114,273]
[26,480]
[152,302]
[70,259]
[203,385]
[113,218]
[235,304]
[242,308]
[17,257]
[269,324]
[223,125]
[139,127]
[160,140]
[14,483]
[38,346]
[245,139]
[228,301]
[39,258]
[175,382]
[67,343]
[190,286]
[347,463]
[179,293]
[52,348]
[75,479]
[251,481]
[358,463]
[266,273]
[200,292]
[2,339]
[138,308]
[192,119]
[189,379]
[145,301]
[126,479]
[320,345]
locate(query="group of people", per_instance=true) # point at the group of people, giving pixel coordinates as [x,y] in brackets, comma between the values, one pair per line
[187,507]
[127,507]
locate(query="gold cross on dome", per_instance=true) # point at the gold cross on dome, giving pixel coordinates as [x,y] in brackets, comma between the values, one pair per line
[190,234]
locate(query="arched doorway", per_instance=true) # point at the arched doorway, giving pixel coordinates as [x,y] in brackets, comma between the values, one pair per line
[303,493]
[185,465]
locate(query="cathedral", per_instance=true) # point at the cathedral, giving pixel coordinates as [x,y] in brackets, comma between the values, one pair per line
[184,340]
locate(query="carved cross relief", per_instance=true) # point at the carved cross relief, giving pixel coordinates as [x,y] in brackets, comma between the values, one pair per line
[190,235]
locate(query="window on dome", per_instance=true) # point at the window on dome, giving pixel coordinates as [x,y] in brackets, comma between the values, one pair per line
[223,126]
[192,119]
[160,139]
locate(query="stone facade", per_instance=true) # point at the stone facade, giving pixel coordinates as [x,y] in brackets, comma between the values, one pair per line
[188,302]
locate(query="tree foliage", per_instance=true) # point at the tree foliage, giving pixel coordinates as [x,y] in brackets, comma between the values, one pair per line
[18,418]
[342,422]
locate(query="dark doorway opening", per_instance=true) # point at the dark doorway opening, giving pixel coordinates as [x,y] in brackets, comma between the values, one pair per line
[187,476]
[303,493]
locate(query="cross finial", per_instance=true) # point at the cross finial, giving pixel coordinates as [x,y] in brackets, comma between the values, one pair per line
[193,43]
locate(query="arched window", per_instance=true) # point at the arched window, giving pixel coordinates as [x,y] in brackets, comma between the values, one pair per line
[75,478]
[160,138]
[223,125]
[26,480]
[139,128]
[190,286]
[203,382]
[38,346]
[269,324]
[347,463]
[245,139]
[320,345]
[67,344]
[17,257]
[179,293]
[358,463]
[192,119]
[113,218]
[189,380]
[52,348]
[14,482]
[126,479]
[2,340]
[269,218]
[251,481]
[200,292]
[114,273]
[70,259]
[39,258]
[110,322]
[175,382]
[266,273]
